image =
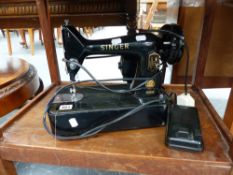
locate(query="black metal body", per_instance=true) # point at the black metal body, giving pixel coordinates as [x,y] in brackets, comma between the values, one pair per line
[142,55]
[143,50]
[100,106]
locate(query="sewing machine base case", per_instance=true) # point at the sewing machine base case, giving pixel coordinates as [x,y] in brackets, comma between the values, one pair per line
[100,106]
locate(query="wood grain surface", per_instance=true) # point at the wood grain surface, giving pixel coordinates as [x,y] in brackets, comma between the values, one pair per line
[81,13]
[228,117]
[48,36]
[138,151]
[214,52]
[192,33]
[208,19]
[11,69]
[220,55]
[18,83]
[7,168]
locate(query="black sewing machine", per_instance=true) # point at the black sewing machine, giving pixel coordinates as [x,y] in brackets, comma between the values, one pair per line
[140,102]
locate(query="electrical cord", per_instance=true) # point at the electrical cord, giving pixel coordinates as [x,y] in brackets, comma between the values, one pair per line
[186,68]
[181,37]
[93,131]
[105,87]
[133,81]
[186,49]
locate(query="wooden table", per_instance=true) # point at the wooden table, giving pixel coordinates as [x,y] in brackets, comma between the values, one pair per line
[138,151]
[18,83]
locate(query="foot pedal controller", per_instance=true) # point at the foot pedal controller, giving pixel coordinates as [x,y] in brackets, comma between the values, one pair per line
[183,129]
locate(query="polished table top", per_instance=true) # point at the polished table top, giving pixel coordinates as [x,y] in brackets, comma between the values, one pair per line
[138,151]
[18,82]
[11,69]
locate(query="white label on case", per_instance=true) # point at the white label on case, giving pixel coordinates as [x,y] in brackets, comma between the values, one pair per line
[73,122]
[141,37]
[65,107]
[116,41]
[185,100]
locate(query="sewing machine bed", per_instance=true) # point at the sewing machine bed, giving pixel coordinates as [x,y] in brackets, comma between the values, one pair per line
[92,106]
[137,151]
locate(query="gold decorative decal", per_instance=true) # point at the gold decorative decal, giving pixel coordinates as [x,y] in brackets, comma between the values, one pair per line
[150,92]
[109,47]
[150,84]
[11,88]
[153,62]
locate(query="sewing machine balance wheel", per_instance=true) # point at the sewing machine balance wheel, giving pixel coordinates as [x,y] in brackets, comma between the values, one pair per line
[173,44]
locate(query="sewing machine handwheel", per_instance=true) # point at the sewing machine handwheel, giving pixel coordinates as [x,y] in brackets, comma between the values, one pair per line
[172,53]
[128,66]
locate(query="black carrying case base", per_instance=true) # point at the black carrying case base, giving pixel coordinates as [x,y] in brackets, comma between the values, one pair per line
[100,106]
[183,129]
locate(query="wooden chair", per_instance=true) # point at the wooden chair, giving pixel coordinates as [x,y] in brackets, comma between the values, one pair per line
[8,42]
[23,38]
[3,32]
[151,7]
[8,37]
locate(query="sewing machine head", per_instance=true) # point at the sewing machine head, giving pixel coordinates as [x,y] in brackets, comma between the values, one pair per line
[142,54]
[78,112]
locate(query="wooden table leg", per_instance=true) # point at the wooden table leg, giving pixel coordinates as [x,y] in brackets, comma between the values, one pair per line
[150,14]
[47,31]
[23,38]
[8,36]
[59,37]
[7,167]
[228,117]
[3,33]
[40,37]
[31,36]
[208,21]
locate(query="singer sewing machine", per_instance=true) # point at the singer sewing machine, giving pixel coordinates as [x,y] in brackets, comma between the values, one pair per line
[141,102]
